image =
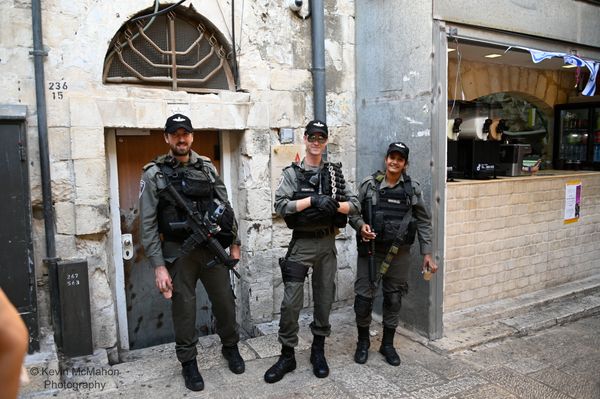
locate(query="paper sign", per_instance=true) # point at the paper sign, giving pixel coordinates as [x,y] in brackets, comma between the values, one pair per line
[572,201]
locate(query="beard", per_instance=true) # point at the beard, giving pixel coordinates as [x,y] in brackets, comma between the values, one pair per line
[179,150]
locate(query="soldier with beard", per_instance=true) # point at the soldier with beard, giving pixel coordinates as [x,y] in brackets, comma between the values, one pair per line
[195,178]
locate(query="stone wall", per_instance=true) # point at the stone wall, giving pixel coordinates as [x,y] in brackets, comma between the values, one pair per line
[542,88]
[274,52]
[507,237]
[275,60]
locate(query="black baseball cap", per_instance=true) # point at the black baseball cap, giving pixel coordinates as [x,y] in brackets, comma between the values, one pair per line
[176,121]
[398,147]
[316,126]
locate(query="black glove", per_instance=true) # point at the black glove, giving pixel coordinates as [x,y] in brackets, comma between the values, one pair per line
[325,204]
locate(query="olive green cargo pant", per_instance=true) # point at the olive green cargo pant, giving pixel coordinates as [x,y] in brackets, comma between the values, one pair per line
[320,254]
[393,283]
[185,272]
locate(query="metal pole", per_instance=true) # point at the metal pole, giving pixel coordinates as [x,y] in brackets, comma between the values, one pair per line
[40,97]
[236,78]
[318,59]
[51,261]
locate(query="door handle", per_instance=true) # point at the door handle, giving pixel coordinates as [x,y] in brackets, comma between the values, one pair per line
[127,246]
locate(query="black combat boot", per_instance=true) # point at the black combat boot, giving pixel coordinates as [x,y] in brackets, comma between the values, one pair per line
[387,347]
[317,357]
[232,354]
[362,346]
[191,375]
[285,364]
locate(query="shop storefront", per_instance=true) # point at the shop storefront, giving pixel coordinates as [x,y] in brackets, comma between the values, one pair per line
[489,233]
[523,134]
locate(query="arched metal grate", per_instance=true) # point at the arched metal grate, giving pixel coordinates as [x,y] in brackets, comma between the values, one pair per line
[175,51]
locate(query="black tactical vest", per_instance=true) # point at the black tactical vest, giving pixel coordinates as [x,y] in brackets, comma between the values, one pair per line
[392,205]
[196,185]
[310,218]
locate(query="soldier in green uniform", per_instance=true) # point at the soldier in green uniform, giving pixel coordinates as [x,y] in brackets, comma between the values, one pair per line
[314,202]
[176,273]
[398,212]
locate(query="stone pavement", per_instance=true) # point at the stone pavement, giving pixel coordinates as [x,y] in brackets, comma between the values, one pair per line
[549,359]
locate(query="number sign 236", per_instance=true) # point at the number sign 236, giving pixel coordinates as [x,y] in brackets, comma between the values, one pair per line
[57,89]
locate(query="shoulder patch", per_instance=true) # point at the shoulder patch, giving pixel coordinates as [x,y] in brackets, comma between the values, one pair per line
[280,181]
[416,187]
[148,165]
[142,186]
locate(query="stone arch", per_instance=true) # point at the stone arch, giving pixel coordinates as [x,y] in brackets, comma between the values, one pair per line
[543,88]
[541,105]
[547,114]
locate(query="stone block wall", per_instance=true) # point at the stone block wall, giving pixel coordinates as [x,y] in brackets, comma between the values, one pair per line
[274,50]
[507,237]
[275,60]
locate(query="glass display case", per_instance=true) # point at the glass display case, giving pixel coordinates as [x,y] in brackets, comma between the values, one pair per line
[577,136]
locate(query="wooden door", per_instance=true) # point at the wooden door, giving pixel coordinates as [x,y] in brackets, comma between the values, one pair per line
[148,313]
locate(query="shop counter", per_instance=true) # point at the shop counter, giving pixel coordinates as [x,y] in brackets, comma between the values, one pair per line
[515,235]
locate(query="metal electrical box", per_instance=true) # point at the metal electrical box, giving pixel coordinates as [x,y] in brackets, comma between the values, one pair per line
[76,321]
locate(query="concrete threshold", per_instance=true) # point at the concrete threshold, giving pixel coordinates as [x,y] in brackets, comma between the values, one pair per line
[517,316]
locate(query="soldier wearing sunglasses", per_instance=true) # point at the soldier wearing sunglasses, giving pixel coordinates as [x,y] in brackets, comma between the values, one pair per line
[314,202]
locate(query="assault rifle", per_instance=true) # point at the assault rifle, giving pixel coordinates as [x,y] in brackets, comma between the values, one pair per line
[371,251]
[201,234]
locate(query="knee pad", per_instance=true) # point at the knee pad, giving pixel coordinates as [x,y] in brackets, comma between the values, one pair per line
[392,301]
[292,271]
[363,306]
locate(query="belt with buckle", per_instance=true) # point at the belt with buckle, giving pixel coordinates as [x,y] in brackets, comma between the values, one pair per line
[313,234]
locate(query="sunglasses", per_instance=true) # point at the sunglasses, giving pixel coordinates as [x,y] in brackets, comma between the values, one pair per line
[316,137]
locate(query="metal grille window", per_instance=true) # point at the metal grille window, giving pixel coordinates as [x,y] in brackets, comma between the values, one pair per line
[174,50]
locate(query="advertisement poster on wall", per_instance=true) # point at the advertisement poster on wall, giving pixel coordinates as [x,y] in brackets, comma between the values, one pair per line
[572,201]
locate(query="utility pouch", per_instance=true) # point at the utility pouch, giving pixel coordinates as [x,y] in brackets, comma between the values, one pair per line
[291,221]
[196,184]
[340,220]
[293,272]
[406,237]
[378,224]
[225,221]
[411,232]
[362,247]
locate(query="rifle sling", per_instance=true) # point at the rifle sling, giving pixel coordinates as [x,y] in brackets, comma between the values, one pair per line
[385,265]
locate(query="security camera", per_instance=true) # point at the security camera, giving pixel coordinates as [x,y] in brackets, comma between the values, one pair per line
[295,5]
